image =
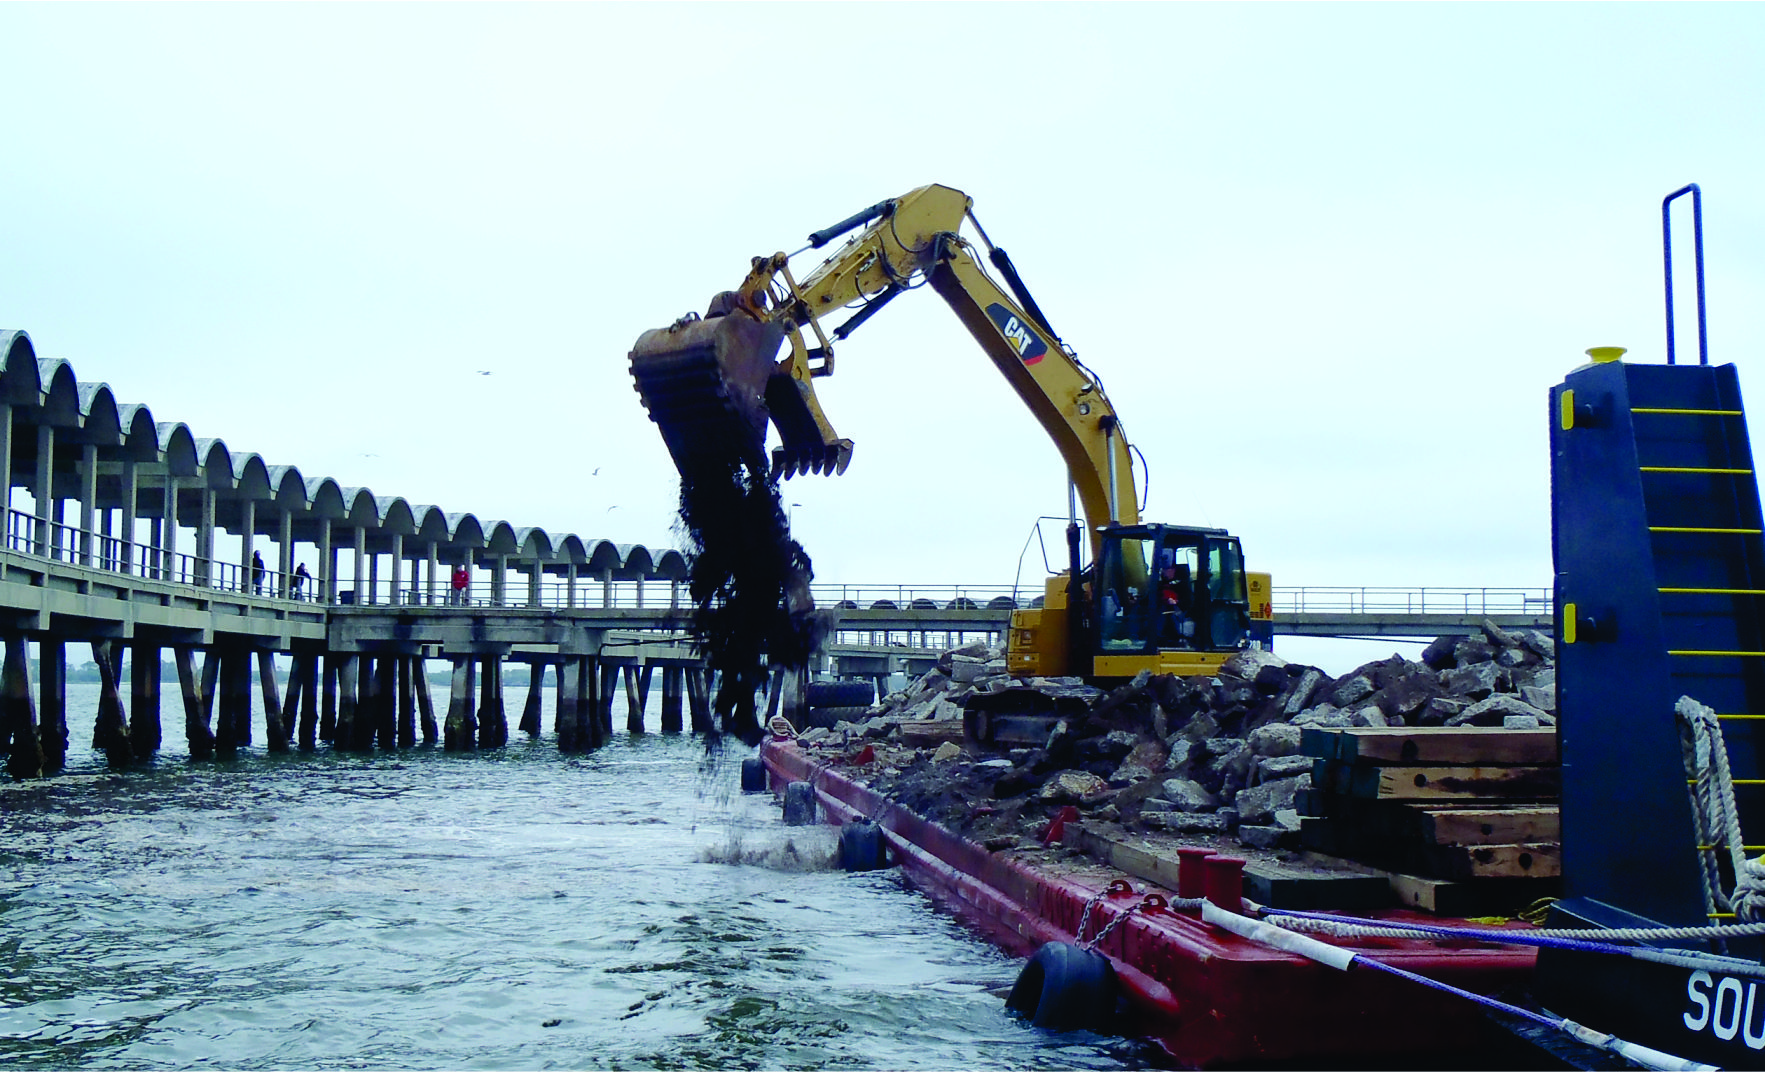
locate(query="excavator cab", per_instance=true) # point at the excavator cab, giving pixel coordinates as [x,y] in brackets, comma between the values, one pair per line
[1169,588]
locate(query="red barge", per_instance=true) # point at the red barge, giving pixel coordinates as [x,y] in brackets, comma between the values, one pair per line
[1206,995]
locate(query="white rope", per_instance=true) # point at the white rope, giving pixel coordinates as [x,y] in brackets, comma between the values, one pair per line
[1531,936]
[1344,929]
[1718,818]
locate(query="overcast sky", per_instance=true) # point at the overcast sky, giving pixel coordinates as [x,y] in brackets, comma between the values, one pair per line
[1327,260]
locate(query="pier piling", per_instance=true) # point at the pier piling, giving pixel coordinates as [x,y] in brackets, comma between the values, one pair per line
[18,727]
[110,733]
[328,712]
[698,695]
[603,707]
[144,724]
[348,700]
[530,707]
[565,723]
[425,703]
[52,706]
[673,678]
[493,722]
[461,731]
[637,696]
[384,709]
[407,703]
[198,692]
[275,729]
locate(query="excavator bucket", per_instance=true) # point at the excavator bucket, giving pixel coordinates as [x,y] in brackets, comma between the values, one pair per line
[704,383]
[712,385]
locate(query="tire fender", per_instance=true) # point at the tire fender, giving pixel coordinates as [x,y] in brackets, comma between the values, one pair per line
[1065,988]
[862,847]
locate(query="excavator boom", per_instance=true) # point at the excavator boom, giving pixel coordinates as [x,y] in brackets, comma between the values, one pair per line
[713,384]
[1164,598]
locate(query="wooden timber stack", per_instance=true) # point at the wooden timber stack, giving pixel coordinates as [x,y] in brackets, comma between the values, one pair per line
[1464,818]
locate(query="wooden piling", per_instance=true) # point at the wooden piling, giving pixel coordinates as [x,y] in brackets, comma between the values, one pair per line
[425,704]
[52,704]
[672,679]
[18,718]
[144,724]
[493,722]
[461,731]
[407,704]
[530,707]
[275,728]
[637,697]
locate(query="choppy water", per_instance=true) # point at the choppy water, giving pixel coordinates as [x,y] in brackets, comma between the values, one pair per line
[513,909]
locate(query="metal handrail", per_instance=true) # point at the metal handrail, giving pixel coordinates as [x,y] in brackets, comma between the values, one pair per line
[1398,600]
[1697,225]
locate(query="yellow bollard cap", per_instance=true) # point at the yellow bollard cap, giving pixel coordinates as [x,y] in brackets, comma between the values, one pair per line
[1603,354]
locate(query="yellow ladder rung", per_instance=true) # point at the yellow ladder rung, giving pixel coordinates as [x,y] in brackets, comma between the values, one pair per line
[1691,469]
[1687,412]
[1721,915]
[1743,848]
[1735,654]
[1736,781]
[1749,717]
[1712,591]
[1693,528]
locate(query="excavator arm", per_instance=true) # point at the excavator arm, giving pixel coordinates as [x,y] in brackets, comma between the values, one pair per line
[714,383]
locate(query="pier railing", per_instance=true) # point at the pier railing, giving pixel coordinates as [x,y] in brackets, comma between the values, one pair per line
[30,534]
[1391,600]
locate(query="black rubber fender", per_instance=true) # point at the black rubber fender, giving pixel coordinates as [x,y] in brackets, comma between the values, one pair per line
[753,775]
[799,804]
[840,694]
[863,847]
[1065,988]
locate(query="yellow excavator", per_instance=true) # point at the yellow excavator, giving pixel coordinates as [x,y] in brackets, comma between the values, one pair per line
[1166,598]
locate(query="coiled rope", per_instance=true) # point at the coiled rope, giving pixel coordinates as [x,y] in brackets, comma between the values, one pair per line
[1718,818]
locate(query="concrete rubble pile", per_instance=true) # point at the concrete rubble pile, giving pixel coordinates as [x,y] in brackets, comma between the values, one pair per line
[1207,755]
